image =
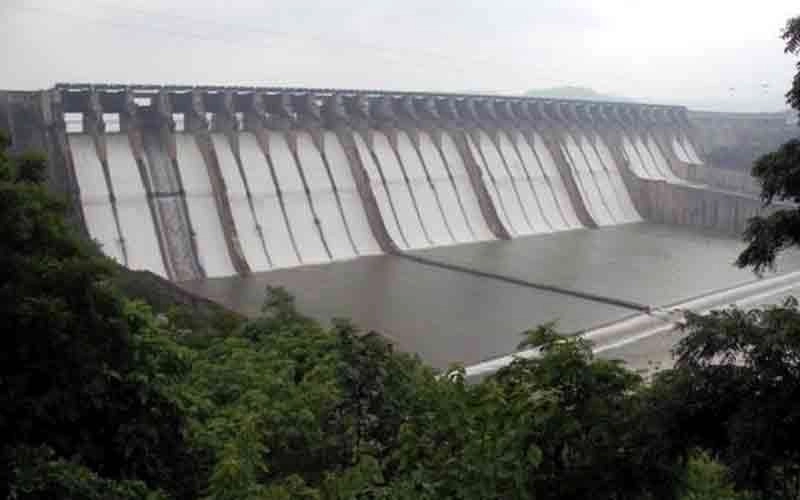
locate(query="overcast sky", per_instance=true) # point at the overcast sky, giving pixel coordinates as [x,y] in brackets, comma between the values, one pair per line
[712,54]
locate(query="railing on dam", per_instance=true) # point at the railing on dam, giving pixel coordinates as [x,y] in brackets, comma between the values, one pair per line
[193,182]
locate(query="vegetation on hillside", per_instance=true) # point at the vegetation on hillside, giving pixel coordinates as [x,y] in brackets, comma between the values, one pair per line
[573,92]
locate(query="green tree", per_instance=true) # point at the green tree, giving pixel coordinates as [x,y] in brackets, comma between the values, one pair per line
[779,174]
[735,392]
[70,368]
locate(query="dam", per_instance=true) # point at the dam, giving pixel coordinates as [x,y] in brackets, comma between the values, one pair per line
[447,222]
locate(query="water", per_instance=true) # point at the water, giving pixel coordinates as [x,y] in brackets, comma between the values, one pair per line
[448,316]
[443,316]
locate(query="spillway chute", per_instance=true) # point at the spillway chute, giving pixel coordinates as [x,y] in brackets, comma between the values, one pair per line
[136,218]
[305,226]
[243,207]
[270,210]
[95,199]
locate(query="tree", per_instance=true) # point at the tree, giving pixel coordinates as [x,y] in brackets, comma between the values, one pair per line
[779,174]
[735,392]
[71,365]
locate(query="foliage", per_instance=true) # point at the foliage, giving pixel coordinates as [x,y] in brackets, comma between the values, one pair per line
[707,479]
[779,174]
[38,474]
[736,392]
[70,370]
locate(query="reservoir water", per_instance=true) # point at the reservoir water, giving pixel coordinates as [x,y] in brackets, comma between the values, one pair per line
[450,317]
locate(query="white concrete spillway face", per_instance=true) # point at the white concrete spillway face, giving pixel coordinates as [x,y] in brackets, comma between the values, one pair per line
[472,209]
[446,189]
[679,151]
[603,180]
[635,161]
[585,180]
[95,199]
[352,206]
[382,197]
[661,162]
[304,227]
[550,171]
[135,217]
[690,151]
[400,195]
[426,198]
[492,185]
[244,218]
[172,218]
[647,158]
[506,190]
[545,196]
[324,195]
[212,248]
[267,206]
[519,175]
[629,212]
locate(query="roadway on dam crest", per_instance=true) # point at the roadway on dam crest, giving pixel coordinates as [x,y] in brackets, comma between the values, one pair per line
[448,316]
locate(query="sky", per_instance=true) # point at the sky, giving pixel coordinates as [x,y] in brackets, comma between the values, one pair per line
[723,55]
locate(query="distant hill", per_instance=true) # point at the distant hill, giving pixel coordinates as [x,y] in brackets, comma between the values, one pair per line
[573,92]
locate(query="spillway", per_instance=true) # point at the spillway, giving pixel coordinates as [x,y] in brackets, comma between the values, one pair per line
[352,207]
[95,199]
[552,177]
[299,204]
[135,216]
[449,198]
[425,195]
[207,230]
[203,184]
[479,230]
[590,187]
[172,215]
[243,206]
[270,210]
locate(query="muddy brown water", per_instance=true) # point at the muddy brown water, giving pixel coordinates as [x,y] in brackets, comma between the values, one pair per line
[449,317]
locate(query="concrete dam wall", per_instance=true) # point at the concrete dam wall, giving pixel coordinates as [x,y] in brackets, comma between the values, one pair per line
[193,182]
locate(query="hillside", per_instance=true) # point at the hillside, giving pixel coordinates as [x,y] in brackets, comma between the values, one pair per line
[574,92]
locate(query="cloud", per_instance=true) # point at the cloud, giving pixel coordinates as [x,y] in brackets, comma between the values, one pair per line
[677,51]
